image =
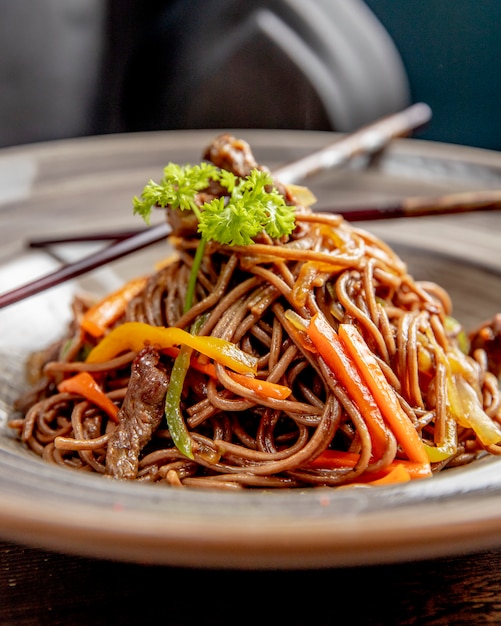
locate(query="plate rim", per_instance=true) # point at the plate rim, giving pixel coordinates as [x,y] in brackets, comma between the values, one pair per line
[222,549]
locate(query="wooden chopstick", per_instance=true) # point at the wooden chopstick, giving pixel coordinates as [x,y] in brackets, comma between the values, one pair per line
[92,261]
[414,206]
[370,139]
[118,235]
[425,206]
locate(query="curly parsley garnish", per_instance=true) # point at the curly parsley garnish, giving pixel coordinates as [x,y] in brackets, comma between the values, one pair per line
[252,205]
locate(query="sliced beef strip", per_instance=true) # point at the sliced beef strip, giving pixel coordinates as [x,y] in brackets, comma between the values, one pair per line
[140,415]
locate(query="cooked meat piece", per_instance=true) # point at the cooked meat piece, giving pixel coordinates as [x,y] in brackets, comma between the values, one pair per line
[488,338]
[140,415]
[230,153]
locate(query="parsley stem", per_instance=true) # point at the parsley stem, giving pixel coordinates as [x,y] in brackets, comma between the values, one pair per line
[197,261]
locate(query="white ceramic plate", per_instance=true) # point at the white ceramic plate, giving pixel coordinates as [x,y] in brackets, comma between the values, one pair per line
[87,184]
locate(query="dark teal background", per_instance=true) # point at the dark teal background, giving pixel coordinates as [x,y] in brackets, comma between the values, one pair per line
[452,53]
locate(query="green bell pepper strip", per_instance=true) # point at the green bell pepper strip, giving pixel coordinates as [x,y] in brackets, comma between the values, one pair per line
[177,427]
[175,422]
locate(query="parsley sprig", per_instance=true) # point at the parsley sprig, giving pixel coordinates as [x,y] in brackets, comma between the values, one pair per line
[252,204]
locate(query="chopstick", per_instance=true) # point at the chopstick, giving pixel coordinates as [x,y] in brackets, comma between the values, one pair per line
[369,140]
[118,235]
[425,206]
[69,271]
[413,206]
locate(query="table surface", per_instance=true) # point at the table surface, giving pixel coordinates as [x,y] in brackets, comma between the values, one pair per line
[40,587]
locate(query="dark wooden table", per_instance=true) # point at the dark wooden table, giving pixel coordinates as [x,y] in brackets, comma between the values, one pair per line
[39,587]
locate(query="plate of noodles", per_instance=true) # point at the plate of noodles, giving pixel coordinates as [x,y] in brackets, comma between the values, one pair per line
[309,392]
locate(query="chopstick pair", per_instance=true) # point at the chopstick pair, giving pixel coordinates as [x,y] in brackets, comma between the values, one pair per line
[414,206]
[369,140]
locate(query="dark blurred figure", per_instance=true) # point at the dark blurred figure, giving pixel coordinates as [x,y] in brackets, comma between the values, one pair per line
[87,67]
[91,67]
[321,64]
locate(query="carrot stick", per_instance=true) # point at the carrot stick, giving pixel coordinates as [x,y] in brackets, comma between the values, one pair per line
[396,474]
[83,384]
[335,459]
[262,387]
[334,353]
[99,317]
[384,394]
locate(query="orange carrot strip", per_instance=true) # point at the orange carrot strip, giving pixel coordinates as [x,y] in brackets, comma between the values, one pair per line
[397,474]
[83,384]
[262,387]
[99,317]
[334,353]
[385,395]
[333,459]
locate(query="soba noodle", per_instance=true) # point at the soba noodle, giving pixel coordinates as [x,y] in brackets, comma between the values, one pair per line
[261,297]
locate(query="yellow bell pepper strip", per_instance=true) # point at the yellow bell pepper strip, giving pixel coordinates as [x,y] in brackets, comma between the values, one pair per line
[101,315]
[384,394]
[332,350]
[135,335]
[83,384]
[177,427]
[263,388]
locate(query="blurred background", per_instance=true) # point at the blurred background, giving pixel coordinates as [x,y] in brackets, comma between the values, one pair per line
[71,68]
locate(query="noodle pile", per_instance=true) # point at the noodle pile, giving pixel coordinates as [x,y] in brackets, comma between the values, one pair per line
[261,297]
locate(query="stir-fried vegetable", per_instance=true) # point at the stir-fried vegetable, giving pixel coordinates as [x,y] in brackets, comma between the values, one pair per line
[83,384]
[384,394]
[175,422]
[334,353]
[99,317]
[264,388]
[135,335]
